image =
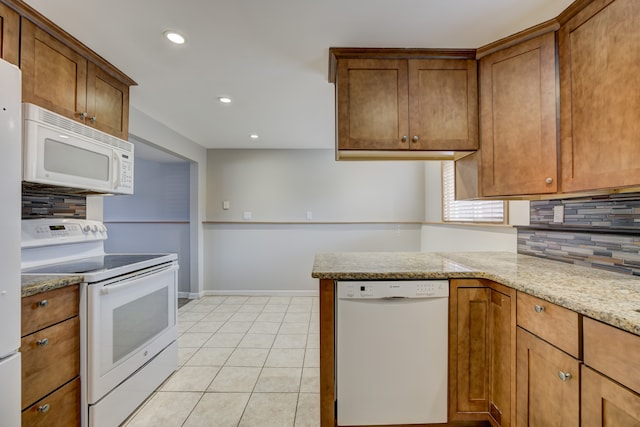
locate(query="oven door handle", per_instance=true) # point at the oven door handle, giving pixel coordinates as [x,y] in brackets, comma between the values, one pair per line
[131,280]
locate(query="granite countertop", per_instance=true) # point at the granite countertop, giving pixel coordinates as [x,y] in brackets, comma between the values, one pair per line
[34,283]
[612,298]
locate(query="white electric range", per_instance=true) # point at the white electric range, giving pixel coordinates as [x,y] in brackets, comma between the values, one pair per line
[128,313]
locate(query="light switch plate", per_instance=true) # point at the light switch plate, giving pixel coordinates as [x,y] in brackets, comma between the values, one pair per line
[558,214]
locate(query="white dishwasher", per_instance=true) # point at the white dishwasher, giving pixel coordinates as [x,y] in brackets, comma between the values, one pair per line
[391,352]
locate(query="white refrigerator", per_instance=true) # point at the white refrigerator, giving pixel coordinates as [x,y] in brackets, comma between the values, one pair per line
[10,216]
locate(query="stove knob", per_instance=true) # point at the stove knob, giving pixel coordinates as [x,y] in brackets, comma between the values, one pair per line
[95,229]
[86,228]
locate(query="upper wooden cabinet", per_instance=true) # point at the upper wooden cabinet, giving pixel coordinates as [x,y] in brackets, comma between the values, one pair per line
[61,78]
[9,34]
[400,100]
[518,130]
[599,86]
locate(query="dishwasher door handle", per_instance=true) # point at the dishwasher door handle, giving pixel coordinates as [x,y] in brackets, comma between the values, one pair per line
[395,297]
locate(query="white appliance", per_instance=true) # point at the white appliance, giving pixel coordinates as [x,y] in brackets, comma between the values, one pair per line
[10,194]
[391,352]
[128,313]
[61,152]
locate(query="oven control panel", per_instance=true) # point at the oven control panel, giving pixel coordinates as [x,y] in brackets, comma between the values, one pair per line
[53,231]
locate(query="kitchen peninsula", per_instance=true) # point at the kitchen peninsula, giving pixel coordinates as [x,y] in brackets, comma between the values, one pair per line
[575,295]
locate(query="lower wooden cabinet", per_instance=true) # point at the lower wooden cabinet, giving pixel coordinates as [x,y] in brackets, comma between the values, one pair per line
[55,410]
[607,403]
[481,352]
[548,384]
[50,350]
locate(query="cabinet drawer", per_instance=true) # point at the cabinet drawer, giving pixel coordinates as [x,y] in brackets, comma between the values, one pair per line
[613,352]
[48,308]
[50,358]
[554,324]
[59,409]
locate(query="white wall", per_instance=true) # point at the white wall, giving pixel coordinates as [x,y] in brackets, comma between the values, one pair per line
[356,206]
[156,217]
[283,185]
[158,135]
[273,258]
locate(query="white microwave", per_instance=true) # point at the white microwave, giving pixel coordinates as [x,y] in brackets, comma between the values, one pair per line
[61,152]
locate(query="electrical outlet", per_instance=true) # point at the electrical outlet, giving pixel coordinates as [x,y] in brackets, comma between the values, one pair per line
[558,214]
[246,215]
[309,215]
[226,205]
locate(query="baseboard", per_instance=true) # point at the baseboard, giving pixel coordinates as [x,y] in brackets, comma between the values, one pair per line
[256,293]
[190,295]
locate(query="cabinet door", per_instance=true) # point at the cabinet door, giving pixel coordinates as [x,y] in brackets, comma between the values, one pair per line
[443,104]
[107,102]
[600,106]
[371,96]
[468,352]
[545,399]
[53,75]
[9,34]
[500,345]
[606,403]
[518,119]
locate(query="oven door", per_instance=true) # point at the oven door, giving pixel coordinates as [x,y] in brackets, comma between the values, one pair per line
[129,320]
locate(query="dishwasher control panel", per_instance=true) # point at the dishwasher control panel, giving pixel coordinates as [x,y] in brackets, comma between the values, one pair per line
[390,289]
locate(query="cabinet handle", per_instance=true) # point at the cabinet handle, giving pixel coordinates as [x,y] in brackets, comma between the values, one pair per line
[83,115]
[42,342]
[538,308]
[44,408]
[43,303]
[549,180]
[415,138]
[404,138]
[92,119]
[564,375]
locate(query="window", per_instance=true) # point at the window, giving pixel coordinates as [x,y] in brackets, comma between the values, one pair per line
[466,211]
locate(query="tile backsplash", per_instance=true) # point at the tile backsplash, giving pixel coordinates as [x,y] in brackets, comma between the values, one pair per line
[48,203]
[600,232]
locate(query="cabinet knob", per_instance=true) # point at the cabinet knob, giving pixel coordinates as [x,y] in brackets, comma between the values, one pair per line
[404,138]
[564,375]
[43,303]
[44,408]
[42,342]
[538,308]
[92,119]
[83,115]
[549,180]
[415,138]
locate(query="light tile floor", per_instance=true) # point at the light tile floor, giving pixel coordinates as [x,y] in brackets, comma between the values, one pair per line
[244,362]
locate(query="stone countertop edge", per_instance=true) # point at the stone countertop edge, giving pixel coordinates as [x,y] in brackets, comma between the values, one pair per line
[33,284]
[612,298]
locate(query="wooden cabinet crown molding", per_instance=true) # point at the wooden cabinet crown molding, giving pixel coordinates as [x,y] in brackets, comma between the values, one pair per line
[336,53]
[521,37]
[54,30]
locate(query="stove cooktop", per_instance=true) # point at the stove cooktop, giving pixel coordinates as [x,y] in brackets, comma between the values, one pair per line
[103,266]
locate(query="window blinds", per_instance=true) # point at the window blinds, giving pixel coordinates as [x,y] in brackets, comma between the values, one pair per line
[466,211]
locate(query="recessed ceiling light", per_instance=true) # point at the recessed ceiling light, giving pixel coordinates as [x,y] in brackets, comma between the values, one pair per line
[224,99]
[254,136]
[174,37]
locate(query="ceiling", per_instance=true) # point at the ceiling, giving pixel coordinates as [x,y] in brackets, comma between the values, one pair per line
[269,56]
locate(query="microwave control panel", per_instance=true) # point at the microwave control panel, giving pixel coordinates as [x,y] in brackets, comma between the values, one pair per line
[125,181]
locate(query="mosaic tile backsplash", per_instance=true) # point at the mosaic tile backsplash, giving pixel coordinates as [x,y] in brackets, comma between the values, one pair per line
[38,203]
[599,232]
